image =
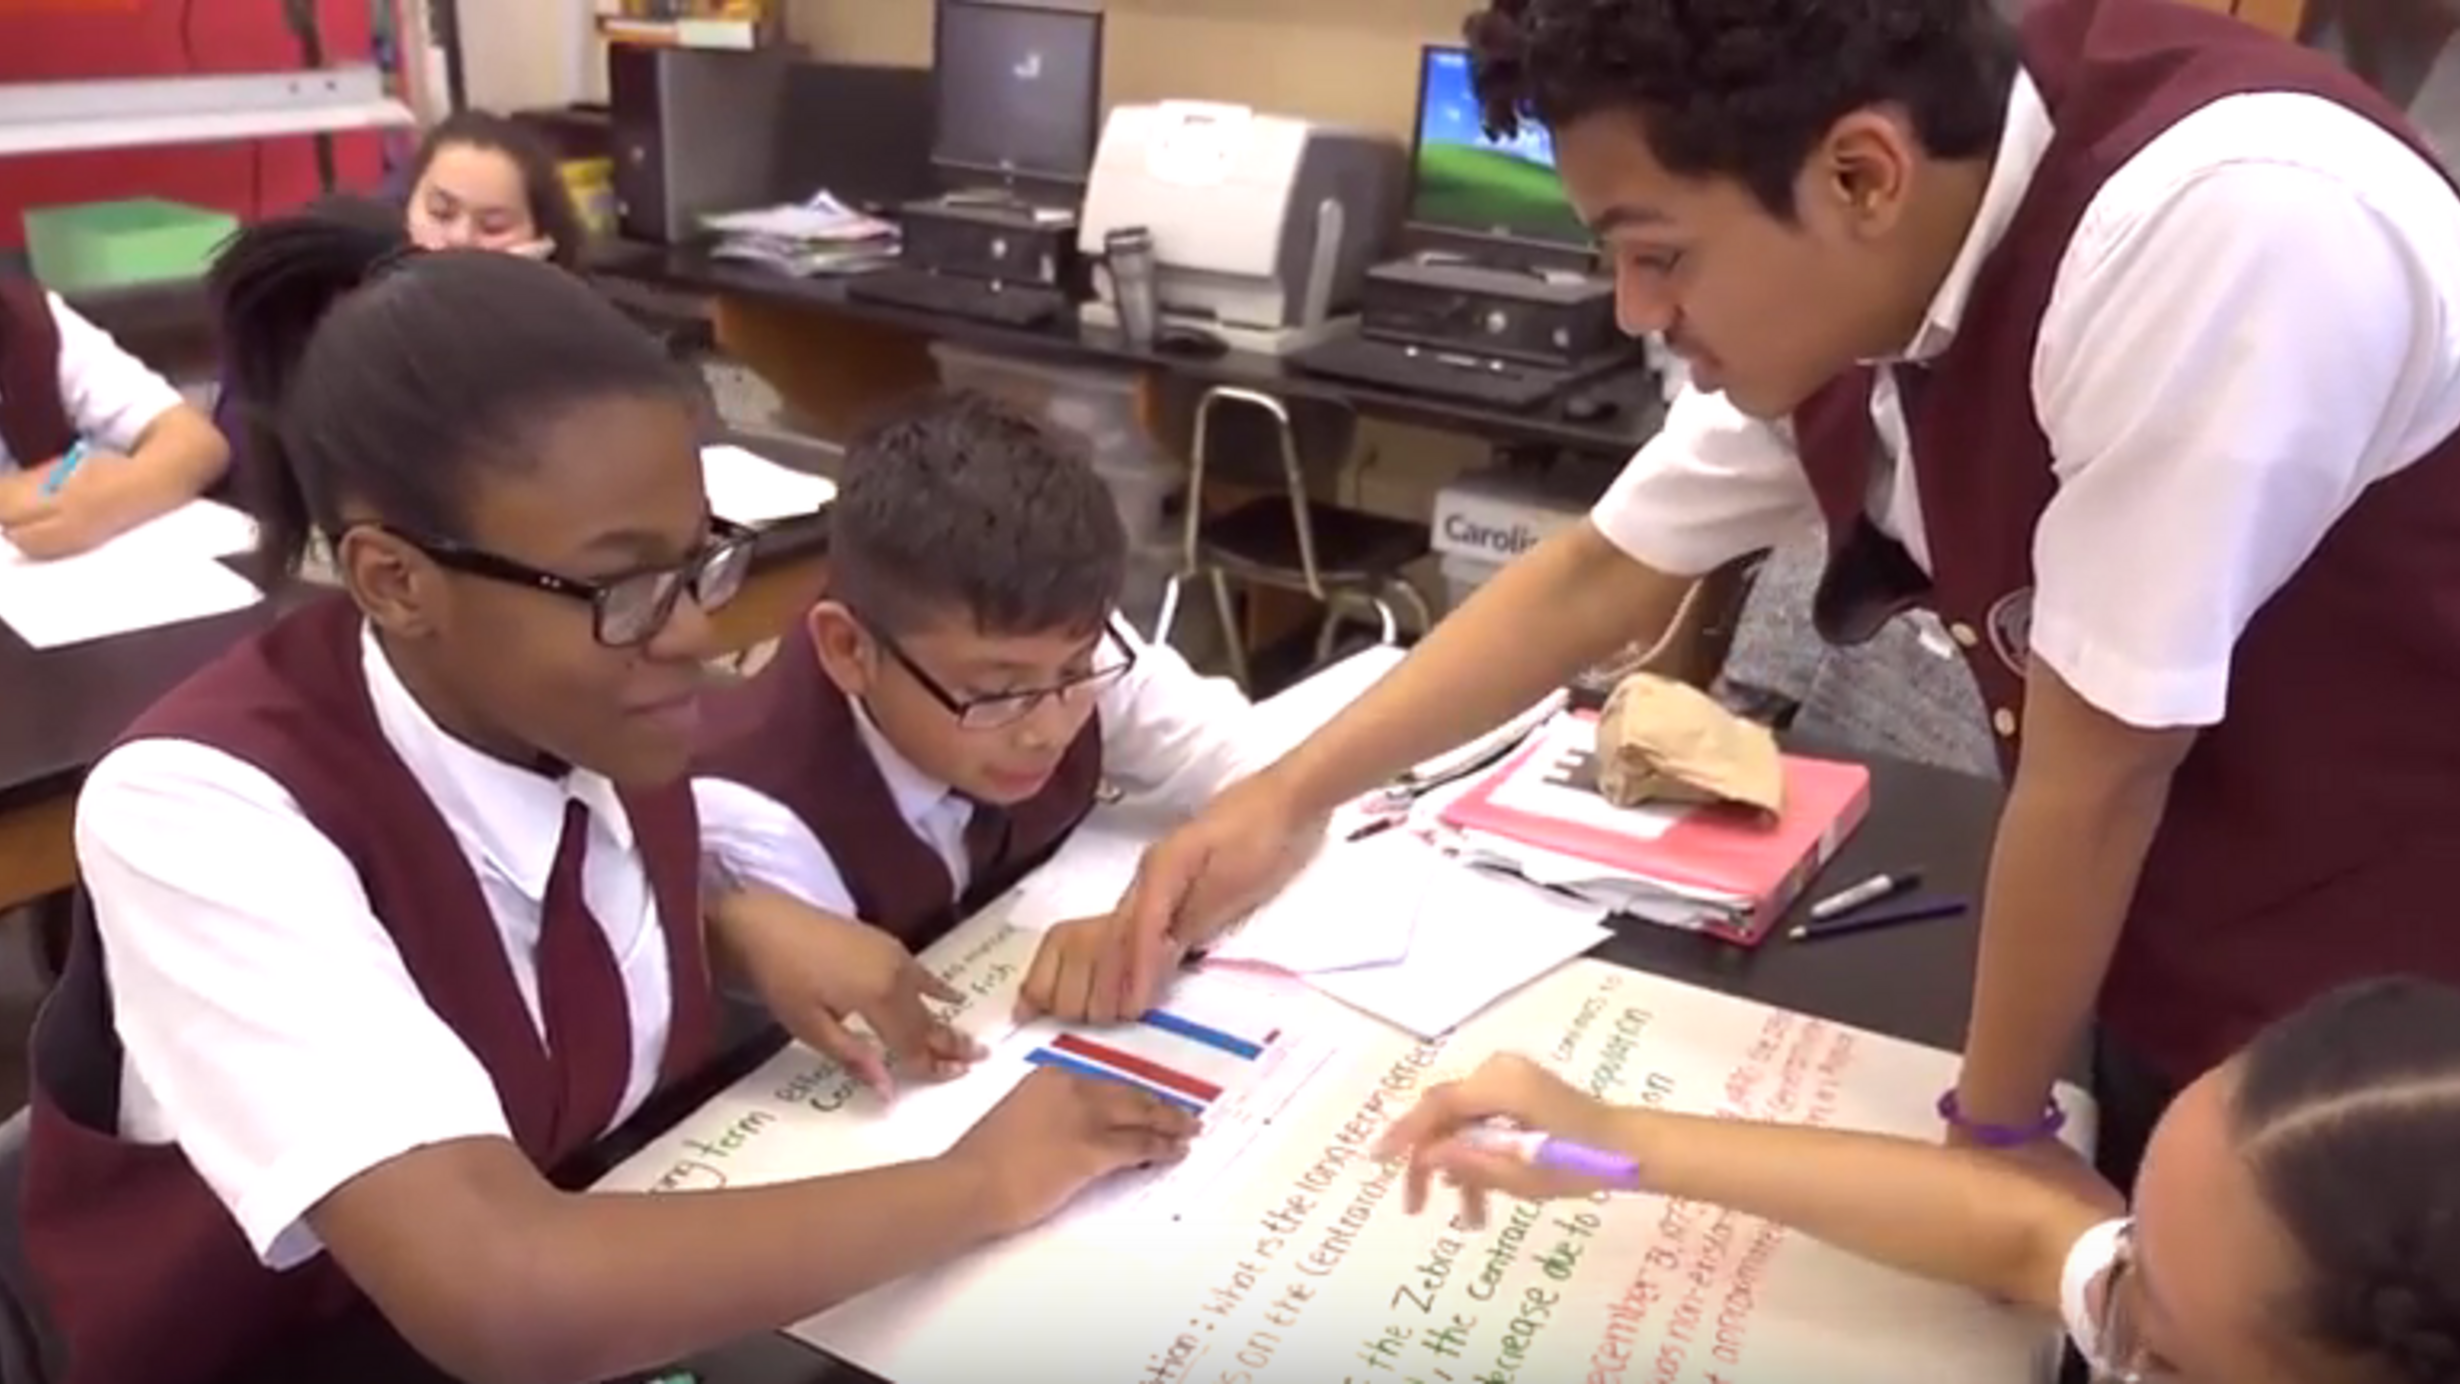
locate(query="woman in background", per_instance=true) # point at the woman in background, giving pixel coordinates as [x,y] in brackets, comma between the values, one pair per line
[480,181]
[483,181]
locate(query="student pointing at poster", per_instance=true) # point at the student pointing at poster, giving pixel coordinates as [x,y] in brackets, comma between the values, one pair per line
[2292,1224]
[2122,341]
[398,905]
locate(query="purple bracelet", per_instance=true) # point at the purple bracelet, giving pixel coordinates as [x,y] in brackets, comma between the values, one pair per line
[1990,1136]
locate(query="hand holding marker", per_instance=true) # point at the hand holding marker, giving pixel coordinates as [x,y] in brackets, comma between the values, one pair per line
[1542,1150]
[60,473]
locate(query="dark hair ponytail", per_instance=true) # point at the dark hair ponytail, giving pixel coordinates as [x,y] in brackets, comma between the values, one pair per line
[271,288]
[375,379]
[2349,1114]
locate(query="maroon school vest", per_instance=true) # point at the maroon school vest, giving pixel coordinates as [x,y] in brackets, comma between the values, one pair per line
[2307,836]
[34,421]
[145,1277]
[789,734]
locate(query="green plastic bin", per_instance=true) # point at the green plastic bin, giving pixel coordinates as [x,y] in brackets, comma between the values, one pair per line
[115,244]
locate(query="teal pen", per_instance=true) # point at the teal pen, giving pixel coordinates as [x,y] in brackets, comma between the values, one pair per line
[60,473]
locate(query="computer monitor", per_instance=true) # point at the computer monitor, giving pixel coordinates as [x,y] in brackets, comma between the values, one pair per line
[1020,89]
[1465,185]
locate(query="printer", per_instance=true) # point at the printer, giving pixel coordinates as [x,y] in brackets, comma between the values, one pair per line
[1263,225]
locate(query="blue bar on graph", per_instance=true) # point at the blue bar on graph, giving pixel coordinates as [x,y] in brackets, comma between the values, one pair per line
[1044,1057]
[1168,1022]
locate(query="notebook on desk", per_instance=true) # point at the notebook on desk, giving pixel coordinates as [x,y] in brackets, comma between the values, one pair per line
[1723,871]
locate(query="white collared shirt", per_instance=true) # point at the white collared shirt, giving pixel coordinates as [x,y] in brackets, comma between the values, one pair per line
[2257,317]
[271,1028]
[1169,737]
[111,396]
[2082,1282]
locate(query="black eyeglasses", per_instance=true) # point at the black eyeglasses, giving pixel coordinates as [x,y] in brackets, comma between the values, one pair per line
[1003,709]
[625,611]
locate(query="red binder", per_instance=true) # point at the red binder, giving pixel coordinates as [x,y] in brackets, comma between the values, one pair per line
[1546,796]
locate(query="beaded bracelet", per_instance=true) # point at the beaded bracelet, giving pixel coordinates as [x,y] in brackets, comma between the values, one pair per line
[1990,1136]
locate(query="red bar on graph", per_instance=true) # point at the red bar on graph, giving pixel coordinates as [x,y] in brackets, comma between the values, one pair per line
[1142,1068]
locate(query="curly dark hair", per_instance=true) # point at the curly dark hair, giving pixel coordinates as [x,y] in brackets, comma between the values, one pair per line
[1745,88]
[2349,1114]
[961,503]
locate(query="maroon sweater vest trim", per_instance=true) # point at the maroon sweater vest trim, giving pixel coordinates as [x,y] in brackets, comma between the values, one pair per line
[790,735]
[34,421]
[2304,835]
[146,1278]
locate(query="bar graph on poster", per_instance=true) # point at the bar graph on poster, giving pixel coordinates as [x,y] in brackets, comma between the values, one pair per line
[1280,1253]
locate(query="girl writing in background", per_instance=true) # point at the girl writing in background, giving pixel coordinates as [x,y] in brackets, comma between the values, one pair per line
[2293,1223]
[92,441]
[398,905]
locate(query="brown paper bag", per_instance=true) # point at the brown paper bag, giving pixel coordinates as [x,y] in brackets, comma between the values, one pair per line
[1665,741]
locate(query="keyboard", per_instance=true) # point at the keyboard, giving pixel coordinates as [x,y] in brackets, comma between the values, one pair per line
[1009,305]
[1504,384]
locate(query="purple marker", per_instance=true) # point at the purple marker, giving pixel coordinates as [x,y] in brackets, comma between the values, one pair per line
[1543,1150]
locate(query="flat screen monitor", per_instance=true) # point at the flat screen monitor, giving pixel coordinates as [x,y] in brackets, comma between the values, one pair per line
[1019,89]
[1464,183]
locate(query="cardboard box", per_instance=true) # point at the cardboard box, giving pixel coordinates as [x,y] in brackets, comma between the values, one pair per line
[1495,516]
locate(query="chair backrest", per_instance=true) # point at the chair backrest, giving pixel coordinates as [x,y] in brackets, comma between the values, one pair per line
[21,1352]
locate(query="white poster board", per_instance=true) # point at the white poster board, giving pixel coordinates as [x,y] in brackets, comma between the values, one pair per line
[1279,1253]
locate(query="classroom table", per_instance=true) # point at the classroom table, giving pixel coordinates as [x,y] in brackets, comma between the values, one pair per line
[65,706]
[1911,982]
[831,354]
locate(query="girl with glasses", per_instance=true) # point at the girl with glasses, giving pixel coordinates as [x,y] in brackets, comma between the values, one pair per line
[397,907]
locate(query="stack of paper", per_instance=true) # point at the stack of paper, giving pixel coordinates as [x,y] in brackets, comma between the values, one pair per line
[1704,867]
[1475,939]
[1389,926]
[1356,904]
[160,573]
[818,236]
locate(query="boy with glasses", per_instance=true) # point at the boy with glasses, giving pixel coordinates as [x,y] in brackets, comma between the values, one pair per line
[951,710]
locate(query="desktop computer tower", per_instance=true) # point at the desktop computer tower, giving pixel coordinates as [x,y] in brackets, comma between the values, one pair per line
[1018,111]
[695,132]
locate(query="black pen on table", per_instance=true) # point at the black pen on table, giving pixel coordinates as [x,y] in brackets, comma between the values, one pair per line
[1919,910]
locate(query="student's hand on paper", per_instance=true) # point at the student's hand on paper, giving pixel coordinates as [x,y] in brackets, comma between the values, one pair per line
[1066,979]
[82,515]
[1198,880]
[1505,1087]
[815,970]
[50,529]
[1058,1133]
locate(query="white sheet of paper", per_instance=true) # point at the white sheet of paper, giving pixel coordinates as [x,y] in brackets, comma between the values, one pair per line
[1356,904]
[114,590]
[199,528]
[751,489]
[1478,939]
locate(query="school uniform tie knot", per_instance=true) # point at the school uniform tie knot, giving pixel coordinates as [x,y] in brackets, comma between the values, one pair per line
[581,999]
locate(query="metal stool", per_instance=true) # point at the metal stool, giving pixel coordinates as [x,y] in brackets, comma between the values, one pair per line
[1349,562]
